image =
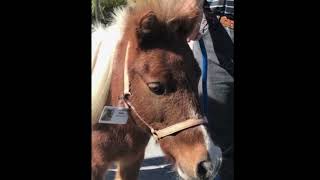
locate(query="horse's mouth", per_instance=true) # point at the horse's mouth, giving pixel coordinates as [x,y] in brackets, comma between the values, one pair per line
[185,176]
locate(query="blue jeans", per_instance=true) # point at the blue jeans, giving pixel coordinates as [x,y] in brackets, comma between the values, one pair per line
[220,84]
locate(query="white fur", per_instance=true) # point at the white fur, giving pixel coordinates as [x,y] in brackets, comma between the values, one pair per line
[182,175]
[214,151]
[104,43]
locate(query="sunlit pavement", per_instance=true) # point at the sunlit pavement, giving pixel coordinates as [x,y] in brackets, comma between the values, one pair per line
[154,166]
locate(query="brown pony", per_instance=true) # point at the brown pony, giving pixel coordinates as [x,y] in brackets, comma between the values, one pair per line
[163,77]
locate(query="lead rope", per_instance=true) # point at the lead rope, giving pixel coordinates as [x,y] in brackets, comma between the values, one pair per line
[204,76]
[204,83]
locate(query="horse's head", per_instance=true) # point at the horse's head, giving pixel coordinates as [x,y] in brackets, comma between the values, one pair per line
[164,77]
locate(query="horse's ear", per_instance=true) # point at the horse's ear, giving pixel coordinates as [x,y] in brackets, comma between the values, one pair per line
[188,15]
[185,25]
[148,27]
[182,27]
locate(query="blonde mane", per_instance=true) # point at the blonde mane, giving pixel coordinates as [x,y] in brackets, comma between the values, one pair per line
[170,10]
[103,44]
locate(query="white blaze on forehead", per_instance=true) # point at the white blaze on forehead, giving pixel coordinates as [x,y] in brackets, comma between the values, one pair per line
[207,140]
[213,150]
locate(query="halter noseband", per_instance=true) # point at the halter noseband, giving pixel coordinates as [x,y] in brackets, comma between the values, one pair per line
[156,134]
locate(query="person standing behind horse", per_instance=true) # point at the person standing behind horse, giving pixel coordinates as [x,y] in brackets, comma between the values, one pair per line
[215,33]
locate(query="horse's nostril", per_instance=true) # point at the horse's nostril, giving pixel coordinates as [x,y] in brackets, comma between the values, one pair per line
[204,169]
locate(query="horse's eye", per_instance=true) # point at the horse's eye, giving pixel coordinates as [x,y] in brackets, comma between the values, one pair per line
[156,87]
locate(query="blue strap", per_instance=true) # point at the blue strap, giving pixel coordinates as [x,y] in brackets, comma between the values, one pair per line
[204,76]
[217,178]
[204,82]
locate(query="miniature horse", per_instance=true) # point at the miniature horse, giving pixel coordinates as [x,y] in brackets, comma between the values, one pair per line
[163,77]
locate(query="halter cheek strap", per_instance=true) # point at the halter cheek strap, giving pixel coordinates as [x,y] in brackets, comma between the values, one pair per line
[178,127]
[126,85]
[156,134]
[159,134]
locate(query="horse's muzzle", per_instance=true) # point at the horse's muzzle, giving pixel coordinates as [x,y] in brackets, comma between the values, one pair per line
[209,169]
[205,170]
